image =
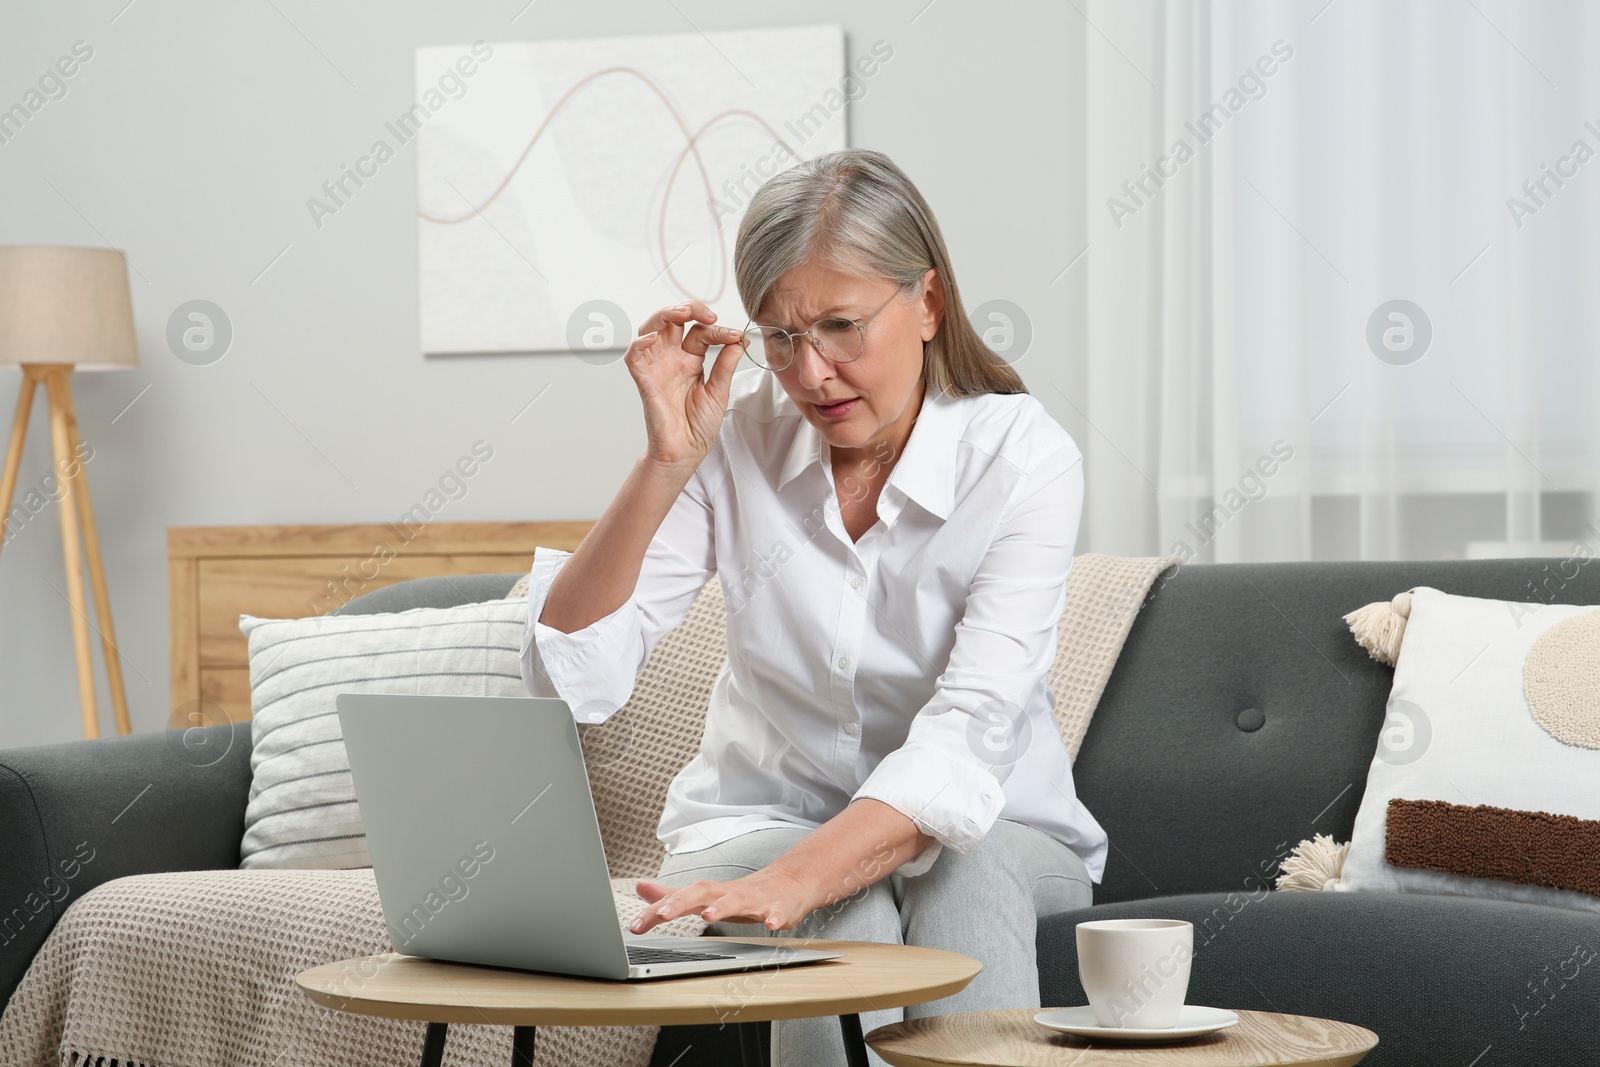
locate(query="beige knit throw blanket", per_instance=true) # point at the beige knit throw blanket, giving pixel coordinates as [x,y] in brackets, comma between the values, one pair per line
[197,969]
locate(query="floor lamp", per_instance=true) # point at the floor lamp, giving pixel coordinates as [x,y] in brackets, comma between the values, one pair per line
[63,309]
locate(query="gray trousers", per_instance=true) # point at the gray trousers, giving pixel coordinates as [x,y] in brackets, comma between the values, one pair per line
[985,903]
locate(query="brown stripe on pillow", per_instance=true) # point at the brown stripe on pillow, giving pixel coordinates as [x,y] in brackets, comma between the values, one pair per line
[1531,847]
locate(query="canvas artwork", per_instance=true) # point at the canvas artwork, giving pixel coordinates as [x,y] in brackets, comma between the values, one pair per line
[566,189]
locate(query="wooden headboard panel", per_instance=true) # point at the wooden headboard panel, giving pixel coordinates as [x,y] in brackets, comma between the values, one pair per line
[217,573]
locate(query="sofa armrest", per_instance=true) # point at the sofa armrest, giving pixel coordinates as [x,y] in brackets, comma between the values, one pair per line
[75,815]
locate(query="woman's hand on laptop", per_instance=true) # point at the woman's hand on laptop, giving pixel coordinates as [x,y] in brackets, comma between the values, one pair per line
[852,850]
[772,897]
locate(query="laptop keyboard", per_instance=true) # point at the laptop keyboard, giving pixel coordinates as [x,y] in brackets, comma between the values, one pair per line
[671,955]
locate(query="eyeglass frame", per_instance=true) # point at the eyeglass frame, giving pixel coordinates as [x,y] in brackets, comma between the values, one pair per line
[794,337]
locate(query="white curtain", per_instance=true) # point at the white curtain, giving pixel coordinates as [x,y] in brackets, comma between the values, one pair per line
[1264,182]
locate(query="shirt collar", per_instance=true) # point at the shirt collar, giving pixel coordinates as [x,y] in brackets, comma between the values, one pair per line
[927,469]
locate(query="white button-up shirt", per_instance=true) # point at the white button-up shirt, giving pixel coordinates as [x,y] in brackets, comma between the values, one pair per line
[909,666]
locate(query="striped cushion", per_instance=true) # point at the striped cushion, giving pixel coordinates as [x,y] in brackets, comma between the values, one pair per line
[302,811]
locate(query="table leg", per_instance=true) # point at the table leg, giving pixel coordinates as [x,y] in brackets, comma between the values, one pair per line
[750,1045]
[855,1046]
[522,1046]
[433,1044]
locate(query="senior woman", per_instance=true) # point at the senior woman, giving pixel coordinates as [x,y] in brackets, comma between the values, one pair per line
[892,517]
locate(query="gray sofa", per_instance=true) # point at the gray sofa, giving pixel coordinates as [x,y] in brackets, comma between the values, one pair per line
[1240,718]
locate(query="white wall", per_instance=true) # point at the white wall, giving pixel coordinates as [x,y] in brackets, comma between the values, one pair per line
[193,138]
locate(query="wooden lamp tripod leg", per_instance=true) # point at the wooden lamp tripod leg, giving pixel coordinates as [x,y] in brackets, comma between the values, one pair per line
[79,482]
[61,442]
[19,432]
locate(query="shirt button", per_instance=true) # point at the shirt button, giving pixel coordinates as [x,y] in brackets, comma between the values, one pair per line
[844,661]
[851,728]
[855,583]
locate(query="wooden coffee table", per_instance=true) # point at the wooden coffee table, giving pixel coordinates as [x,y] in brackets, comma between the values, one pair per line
[989,1038]
[871,976]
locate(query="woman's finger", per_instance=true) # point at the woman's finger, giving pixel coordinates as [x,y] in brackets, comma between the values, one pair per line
[689,898]
[651,891]
[720,380]
[699,339]
[700,311]
[727,909]
[747,905]
[669,317]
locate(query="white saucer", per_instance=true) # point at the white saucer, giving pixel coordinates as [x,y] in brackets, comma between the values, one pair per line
[1193,1020]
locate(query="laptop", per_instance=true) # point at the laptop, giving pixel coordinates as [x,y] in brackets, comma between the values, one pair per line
[486,848]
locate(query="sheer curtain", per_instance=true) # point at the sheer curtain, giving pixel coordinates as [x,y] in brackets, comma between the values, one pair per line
[1342,285]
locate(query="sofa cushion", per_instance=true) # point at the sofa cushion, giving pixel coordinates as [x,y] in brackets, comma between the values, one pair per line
[302,811]
[1439,979]
[1241,717]
[1470,791]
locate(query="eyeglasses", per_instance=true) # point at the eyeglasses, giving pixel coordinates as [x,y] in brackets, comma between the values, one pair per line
[839,340]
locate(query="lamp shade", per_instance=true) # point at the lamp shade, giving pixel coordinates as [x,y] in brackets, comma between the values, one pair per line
[66,305]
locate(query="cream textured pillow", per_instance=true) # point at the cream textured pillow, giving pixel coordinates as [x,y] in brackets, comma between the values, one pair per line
[1486,780]
[302,810]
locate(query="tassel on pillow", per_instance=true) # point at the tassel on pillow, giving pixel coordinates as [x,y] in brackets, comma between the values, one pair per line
[1379,627]
[1314,864]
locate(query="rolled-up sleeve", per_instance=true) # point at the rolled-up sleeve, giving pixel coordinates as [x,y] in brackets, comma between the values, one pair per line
[948,775]
[593,669]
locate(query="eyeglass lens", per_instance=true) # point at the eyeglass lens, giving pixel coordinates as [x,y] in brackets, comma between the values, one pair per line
[837,339]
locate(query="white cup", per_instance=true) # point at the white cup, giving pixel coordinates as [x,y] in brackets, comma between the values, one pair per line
[1135,971]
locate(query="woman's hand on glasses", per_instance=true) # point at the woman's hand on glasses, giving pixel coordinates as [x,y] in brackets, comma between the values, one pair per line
[683,408]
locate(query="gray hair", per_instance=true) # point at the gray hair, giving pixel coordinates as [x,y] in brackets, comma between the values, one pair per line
[853,210]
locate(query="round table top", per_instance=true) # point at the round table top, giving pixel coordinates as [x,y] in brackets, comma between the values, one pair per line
[869,976]
[988,1038]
